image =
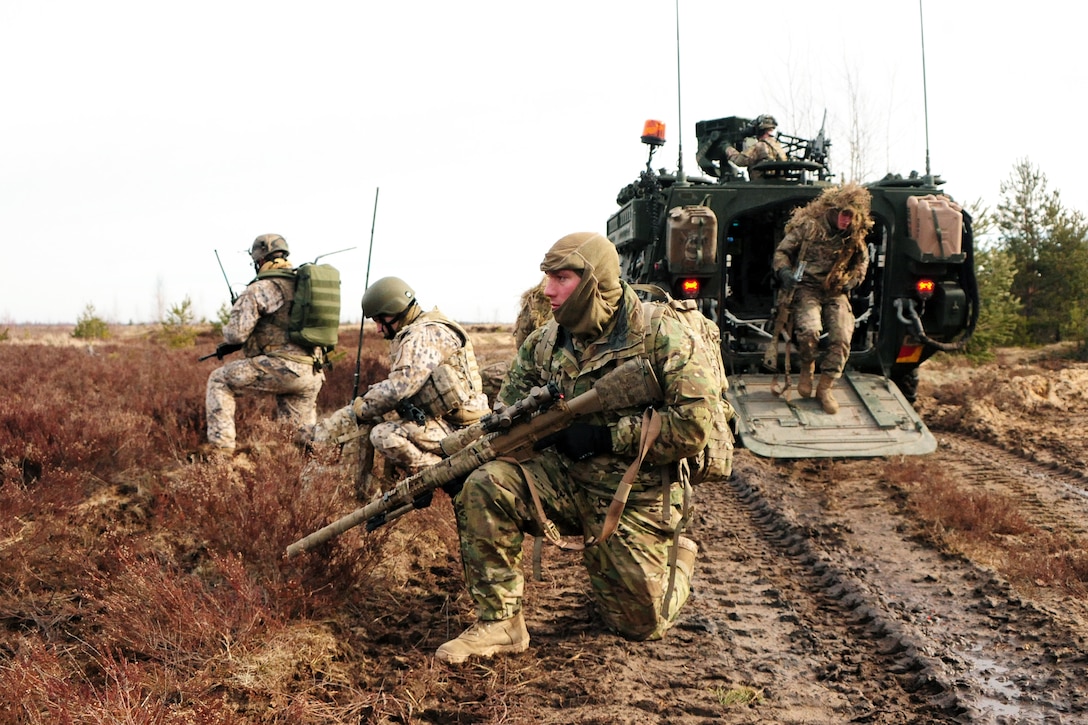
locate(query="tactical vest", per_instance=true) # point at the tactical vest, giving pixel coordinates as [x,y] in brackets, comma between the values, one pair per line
[715,460]
[270,333]
[454,382]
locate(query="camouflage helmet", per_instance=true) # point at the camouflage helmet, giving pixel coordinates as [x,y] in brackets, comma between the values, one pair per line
[766,121]
[266,245]
[387,296]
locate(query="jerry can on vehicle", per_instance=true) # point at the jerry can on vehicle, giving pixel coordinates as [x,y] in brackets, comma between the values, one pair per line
[692,239]
[936,224]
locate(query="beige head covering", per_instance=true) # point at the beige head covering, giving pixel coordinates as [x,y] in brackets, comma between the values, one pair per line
[597,296]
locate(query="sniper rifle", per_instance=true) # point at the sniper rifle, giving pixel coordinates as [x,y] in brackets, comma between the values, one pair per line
[509,433]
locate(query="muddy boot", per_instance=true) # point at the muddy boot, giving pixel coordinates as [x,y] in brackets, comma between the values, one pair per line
[825,396]
[484,639]
[804,382]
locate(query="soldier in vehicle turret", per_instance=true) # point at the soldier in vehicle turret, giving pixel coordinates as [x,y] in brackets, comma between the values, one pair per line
[765,148]
[823,256]
[258,326]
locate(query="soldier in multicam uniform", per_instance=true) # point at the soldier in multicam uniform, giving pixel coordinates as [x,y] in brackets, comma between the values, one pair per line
[434,383]
[828,236]
[273,364]
[766,147]
[598,324]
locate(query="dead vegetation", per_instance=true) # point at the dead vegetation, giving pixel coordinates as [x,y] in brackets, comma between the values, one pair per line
[139,587]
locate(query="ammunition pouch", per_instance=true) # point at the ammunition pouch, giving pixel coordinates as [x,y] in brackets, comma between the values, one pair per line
[444,394]
[715,461]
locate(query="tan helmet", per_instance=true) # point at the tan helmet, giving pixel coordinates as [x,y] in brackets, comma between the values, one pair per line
[267,245]
[766,121]
[387,296]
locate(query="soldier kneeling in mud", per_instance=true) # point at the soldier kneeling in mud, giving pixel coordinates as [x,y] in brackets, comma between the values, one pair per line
[433,389]
[639,567]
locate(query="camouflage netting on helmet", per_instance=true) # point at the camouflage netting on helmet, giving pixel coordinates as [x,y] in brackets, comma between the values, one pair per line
[267,244]
[847,197]
[766,121]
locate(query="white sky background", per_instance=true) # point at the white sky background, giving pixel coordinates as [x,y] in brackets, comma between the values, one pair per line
[139,137]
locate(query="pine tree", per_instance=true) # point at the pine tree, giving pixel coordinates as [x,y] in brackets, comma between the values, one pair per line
[1049,250]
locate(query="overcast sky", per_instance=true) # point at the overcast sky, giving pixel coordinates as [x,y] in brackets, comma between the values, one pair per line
[141,137]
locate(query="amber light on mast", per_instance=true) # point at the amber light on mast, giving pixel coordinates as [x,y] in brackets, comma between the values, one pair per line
[653,133]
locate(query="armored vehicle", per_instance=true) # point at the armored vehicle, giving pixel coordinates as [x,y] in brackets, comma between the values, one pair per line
[712,238]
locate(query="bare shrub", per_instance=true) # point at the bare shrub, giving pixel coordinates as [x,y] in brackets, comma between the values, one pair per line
[373,366]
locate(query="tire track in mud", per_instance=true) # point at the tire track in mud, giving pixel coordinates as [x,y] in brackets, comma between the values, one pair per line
[768,612]
[1053,497]
[989,655]
[800,622]
[816,587]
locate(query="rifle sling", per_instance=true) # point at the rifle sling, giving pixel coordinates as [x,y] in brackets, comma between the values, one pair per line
[651,428]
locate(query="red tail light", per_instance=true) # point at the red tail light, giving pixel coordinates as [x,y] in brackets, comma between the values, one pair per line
[690,288]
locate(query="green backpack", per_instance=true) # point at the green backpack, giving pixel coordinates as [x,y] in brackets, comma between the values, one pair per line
[315,313]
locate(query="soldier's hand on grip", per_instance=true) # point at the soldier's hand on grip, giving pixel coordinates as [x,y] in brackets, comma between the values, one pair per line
[786,279]
[579,442]
[225,348]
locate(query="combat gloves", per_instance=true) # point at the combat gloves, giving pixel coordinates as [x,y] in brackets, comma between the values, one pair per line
[226,348]
[785,278]
[579,442]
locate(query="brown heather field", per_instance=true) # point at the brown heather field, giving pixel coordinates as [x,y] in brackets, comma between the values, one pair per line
[138,586]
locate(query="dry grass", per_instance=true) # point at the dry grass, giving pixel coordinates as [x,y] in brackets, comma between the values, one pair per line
[990,527]
[137,587]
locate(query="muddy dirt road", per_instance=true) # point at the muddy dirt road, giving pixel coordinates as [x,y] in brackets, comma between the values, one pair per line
[824,598]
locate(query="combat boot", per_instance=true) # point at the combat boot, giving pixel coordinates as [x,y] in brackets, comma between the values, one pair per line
[484,639]
[825,396]
[211,453]
[804,382]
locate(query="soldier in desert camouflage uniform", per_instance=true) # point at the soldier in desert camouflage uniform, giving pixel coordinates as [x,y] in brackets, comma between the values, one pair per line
[766,147]
[828,236]
[598,324]
[272,364]
[433,386]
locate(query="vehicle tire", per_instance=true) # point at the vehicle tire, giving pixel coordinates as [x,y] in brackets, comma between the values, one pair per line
[908,384]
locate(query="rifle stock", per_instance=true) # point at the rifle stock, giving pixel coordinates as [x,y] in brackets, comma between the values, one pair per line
[631,384]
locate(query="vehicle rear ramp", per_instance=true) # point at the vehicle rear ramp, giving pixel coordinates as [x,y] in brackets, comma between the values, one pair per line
[874,419]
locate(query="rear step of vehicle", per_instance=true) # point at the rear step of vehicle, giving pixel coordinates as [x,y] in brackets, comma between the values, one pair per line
[874,420]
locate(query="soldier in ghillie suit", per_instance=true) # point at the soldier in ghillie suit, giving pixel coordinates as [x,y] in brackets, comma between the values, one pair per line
[641,575]
[827,237]
[765,148]
[274,365]
[433,387]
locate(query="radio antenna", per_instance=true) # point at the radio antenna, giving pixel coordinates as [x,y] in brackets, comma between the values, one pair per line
[679,109]
[925,92]
[366,283]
